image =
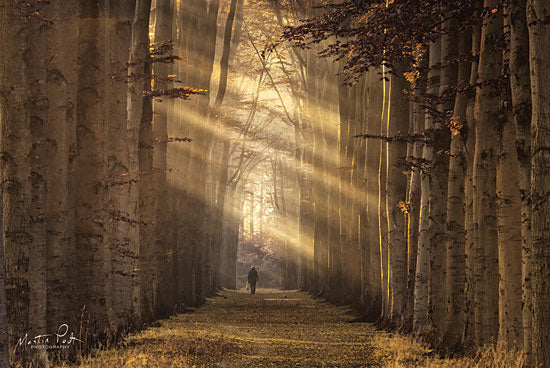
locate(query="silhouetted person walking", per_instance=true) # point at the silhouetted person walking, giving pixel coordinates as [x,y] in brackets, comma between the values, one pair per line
[252,279]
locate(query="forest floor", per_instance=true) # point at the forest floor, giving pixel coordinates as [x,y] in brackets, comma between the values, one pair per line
[269,329]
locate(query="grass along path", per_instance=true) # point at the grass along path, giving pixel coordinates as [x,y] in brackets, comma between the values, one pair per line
[269,329]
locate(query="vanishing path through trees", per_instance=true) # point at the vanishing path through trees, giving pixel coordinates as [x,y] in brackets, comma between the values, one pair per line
[236,329]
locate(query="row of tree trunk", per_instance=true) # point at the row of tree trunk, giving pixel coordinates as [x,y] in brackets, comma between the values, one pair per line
[108,192]
[426,187]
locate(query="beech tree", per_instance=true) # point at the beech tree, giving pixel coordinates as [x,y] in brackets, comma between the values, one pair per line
[539,60]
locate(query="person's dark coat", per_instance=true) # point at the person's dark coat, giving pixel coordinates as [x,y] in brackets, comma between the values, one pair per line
[252,276]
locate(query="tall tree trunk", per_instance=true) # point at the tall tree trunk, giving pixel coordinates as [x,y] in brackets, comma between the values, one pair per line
[521,105]
[221,214]
[396,189]
[357,153]
[382,214]
[146,204]
[162,273]
[117,34]
[375,107]
[455,282]
[508,219]
[15,106]
[93,255]
[539,53]
[61,137]
[468,332]
[196,198]
[4,338]
[362,256]
[440,173]
[345,100]
[228,47]
[139,53]
[37,107]
[486,112]
[414,194]
[422,280]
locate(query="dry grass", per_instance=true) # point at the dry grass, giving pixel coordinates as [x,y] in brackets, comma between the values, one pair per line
[275,329]
[399,351]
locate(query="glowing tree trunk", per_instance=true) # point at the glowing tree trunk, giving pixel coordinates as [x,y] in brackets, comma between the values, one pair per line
[373,289]
[382,215]
[422,280]
[396,189]
[414,195]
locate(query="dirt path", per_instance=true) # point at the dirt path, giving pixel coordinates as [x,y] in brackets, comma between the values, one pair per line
[276,329]
[236,329]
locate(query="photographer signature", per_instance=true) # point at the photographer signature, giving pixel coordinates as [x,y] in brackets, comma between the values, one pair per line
[62,337]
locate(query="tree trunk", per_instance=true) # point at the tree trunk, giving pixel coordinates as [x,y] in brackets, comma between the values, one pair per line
[414,195]
[93,255]
[422,279]
[456,272]
[539,53]
[382,214]
[4,338]
[508,219]
[161,274]
[469,248]
[486,112]
[143,306]
[139,52]
[60,135]
[521,108]
[396,189]
[37,109]
[117,34]
[373,288]
[440,174]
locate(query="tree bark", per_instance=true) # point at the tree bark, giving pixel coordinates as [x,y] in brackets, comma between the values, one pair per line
[93,255]
[118,207]
[539,54]
[4,338]
[521,107]
[456,273]
[139,53]
[162,275]
[396,189]
[373,288]
[440,173]
[508,219]
[486,112]
[382,214]
[414,194]
[422,280]
[468,333]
